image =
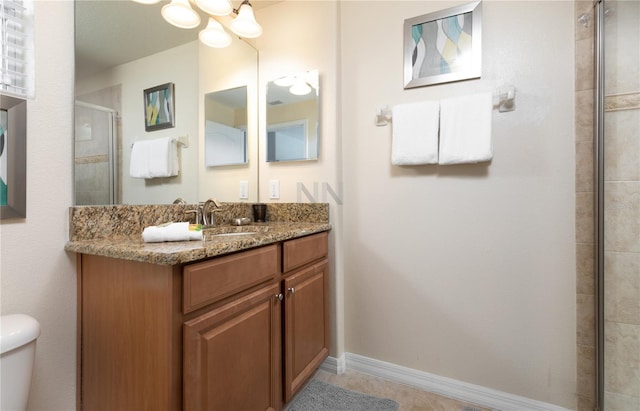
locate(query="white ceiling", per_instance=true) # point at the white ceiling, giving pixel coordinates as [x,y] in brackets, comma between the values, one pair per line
[113,32]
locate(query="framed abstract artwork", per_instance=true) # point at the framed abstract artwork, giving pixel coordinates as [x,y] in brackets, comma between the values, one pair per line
[13,157]
[444,46]
[159,107]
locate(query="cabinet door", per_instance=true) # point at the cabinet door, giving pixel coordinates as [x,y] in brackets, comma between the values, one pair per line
[306,324]
[232,355]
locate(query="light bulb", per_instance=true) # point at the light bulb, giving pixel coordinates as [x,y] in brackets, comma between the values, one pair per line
[147,1]
[180,14]
[245,25]
[215,7]
[214,35]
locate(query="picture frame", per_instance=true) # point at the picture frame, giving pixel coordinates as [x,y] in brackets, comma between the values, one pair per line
[159,107]
[13,157]
[443,46]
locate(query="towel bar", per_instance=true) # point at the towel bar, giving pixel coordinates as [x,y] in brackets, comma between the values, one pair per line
[506,101]
[182,140]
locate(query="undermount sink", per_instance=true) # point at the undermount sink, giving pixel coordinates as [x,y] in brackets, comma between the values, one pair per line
[234,231]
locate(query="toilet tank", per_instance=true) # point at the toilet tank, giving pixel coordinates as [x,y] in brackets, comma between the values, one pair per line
[18,334]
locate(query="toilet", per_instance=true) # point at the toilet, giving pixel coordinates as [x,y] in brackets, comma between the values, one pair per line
[18,334]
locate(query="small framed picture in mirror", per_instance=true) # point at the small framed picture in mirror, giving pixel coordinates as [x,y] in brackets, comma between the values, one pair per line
[13,157]
[159,107]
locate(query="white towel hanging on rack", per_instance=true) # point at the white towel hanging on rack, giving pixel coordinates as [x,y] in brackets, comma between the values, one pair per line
[154,158]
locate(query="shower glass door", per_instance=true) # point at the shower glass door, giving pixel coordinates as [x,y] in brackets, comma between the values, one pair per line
[621,180]
[94,171]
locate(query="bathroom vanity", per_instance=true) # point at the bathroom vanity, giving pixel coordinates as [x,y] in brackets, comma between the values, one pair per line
[161,327]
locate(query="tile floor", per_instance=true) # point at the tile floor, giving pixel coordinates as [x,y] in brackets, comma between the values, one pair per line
[409,398]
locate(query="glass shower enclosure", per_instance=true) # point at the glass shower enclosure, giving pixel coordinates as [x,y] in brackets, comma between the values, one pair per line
[95,155]
[617,124]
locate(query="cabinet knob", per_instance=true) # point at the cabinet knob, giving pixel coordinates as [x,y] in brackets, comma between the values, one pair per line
[291,290]
[279,297]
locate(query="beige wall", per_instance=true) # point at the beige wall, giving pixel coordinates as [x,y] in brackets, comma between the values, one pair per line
[37,276]
[465,271]
[301,36]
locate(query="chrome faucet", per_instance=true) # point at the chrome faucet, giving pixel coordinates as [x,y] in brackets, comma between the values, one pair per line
[208,217]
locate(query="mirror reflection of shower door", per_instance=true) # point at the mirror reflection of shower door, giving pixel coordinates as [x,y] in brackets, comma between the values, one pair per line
[621,243]
[95,155]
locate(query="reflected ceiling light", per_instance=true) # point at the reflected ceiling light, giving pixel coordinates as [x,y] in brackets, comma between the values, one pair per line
[214,35]
[245,25]
[285,81]
[180,14]
[215,7]
[300,87]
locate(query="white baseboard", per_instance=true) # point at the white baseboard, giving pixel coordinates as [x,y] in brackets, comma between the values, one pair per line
[474,394]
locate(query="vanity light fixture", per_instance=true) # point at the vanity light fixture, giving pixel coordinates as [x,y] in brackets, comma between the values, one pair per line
[180,14]
[215,7]
[245,24]
[214,35]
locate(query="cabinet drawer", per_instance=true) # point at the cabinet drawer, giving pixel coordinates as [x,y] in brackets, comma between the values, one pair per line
[298,252]
[210,281]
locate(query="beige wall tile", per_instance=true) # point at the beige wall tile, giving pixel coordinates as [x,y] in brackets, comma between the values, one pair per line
[585,324]
[585,267]
[582,31]
[622,145]
[622,358]
[584,115]
[622,216]
[584,166]
[619,402]
[584,218]
[586,371]
[584,64]
[622,287]
[586,403]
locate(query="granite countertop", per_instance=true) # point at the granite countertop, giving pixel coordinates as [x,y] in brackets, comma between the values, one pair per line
[180,252]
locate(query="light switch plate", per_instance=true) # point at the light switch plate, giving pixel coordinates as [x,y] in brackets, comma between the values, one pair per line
[274,189]
[244,189]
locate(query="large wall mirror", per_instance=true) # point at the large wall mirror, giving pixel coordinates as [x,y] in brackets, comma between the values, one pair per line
[293,117]
[123,48]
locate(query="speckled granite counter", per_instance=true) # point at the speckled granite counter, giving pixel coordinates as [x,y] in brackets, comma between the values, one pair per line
[116,231]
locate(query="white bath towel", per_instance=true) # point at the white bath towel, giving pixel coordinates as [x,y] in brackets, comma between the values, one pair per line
[415,133]
[172,232]
[465,129]
[154,158]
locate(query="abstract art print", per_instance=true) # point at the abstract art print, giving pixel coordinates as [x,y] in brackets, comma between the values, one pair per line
[13,157]
[159,107]
[444,46]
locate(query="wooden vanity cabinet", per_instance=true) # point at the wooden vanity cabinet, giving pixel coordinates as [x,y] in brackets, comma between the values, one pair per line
[202,336]
[306,310]
[232,353]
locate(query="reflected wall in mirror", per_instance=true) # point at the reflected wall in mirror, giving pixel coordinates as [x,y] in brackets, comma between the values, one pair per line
[225,127]
[293,117]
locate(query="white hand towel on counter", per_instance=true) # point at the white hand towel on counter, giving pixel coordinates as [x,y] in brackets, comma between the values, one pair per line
[415,133]
[154,158]
[172,232]
[465,129]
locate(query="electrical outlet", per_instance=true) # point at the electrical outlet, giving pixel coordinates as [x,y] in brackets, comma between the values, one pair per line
[274,189]
[244,189]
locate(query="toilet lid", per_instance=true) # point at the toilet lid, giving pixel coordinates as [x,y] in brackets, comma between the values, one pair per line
[17,330]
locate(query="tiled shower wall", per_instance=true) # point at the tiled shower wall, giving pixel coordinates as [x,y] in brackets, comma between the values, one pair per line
[622,208]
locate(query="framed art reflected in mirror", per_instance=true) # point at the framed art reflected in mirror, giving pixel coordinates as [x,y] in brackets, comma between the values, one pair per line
[159,107]
[13,157]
